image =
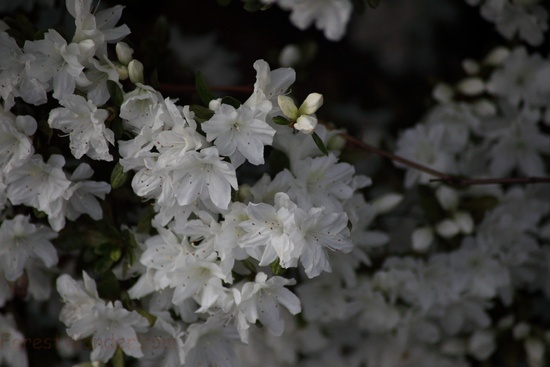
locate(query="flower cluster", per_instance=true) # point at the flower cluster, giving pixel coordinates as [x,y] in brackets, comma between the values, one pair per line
[235,232]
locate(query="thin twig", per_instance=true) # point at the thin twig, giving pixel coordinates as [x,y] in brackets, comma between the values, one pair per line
[442,177]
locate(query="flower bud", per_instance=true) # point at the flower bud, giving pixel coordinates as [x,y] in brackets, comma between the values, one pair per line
[535,352]
[87,47]
[122,71]
[135,71]
[447,197]
[481,344]
[464,221]
[447,228]
[471,86]
[124,53]
[306,124]
[422,239]
[288,107]
[289,56]
[497,56]
[387,202]
[312,103]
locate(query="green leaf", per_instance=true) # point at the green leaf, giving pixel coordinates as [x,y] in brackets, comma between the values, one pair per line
[115,254]
[373,3]
[276,267]
[224,2]
[144,223]
[118,358]
[151,318]
[154,79]
[115,92]
[202,114]
[118,176]
[202,89]
[280,120]
[108,286]
[231,101]
[319,142]
[103,265]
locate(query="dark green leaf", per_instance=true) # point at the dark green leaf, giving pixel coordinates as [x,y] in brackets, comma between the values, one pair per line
[224,2]
[154,79]
[277,162]
[108,286]
[202,89]
[202,114]
[118,176]
[231,101]
[319,142]
[280,120]
[103,264]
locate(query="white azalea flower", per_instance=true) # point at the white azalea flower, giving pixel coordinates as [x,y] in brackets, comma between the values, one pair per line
[240,133]
[331,16]
[203,175]
[259,301]
[318,231]
[85,124]
[40,185]
[269,232]
[20,241]
[16,82]
[211,343]
[15,143]
[59,62]
[110,324]
[98,27]
[82,196]
[13,353]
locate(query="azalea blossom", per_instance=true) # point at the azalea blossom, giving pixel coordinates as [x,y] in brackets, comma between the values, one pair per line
[240,133]
[85,124]
[20,241]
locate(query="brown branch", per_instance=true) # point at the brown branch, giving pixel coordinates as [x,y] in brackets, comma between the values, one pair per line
[442,177]
[188,89]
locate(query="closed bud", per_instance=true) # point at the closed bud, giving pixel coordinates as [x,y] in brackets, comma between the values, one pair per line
[497,56]
[87,47]
[387,202]
[535,352]
[288,107]
[124,53]
[135,71]
[313,102]
[422,239]
[122,71]
[447,228]
[471,86]
[464,221]
[289,56]
[306,124]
